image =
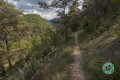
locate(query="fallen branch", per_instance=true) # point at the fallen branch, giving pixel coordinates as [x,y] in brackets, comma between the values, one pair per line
[22,73]
[45,62]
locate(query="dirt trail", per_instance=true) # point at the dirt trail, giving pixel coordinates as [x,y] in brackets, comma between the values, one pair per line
[77,71]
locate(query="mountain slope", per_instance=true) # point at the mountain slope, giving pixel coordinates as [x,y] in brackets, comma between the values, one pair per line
[37,20]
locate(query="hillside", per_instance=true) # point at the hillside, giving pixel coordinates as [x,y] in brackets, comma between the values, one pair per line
[75,48]
[37,20]
[101,49]
[102,44]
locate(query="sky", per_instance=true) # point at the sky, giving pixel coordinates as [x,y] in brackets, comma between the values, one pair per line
[32,7]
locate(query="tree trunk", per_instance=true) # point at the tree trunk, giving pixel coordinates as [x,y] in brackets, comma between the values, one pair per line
[10,64]
[7,44]
[66,29]
[3,72]
[97,14]
[66,32]
[75,27]
[2,66]
[8,50]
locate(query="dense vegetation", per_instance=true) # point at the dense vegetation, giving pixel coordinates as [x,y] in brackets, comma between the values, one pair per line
[31,48]
[26,42]
[99,37]
[20,36]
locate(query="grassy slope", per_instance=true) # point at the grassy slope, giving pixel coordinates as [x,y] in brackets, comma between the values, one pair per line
[101,49]
[37,21]
[64,60]
[60,68]
[12,74]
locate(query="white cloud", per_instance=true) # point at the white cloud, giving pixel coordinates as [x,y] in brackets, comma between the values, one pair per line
[12,1]
[31,6]
[47,15]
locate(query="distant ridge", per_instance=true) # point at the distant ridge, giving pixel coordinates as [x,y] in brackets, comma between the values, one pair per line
[51,21]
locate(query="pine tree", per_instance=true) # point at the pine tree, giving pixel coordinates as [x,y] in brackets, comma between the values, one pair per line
[59,4]
[9,21]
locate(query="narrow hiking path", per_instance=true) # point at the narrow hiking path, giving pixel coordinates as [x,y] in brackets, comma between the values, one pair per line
[77,71]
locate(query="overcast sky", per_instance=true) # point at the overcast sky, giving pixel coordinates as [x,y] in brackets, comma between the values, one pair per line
[31,6]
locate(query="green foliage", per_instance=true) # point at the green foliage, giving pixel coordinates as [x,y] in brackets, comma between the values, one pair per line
[94,68]
[22,37]
[60,68]
[93,40]
[108,10]
[28,36]
[39,25]
[115,1]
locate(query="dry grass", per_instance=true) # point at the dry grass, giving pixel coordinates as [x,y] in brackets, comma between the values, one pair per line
[101,49]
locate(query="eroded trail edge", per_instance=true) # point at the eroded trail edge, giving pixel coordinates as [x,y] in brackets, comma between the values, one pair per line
[77,70]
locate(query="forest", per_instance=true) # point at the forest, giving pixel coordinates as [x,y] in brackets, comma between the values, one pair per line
[74,48]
